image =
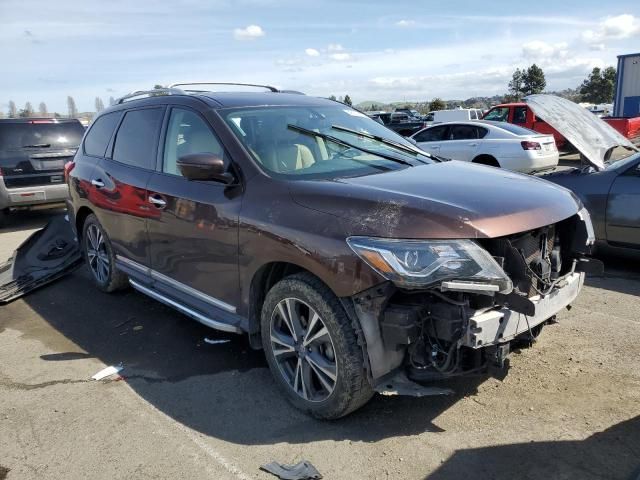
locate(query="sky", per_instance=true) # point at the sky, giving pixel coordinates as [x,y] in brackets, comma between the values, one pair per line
[372,50]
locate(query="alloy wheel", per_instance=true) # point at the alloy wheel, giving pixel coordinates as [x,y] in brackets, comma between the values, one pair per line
[97,254]
[303,349]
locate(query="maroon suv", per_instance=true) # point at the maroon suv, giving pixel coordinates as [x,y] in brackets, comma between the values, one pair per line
[356,261]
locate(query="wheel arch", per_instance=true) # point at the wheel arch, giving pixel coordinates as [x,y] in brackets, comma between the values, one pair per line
[262,281]
[486,159]
[81,216]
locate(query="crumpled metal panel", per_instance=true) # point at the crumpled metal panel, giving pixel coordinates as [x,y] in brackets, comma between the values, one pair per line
[590,135]
[45,256]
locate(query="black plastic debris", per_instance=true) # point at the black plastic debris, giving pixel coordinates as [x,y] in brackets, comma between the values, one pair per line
[300,471]
[48,254]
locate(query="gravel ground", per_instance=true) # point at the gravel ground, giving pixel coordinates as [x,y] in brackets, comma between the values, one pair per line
[568,408]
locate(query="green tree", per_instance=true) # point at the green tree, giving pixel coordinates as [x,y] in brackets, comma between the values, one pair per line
[516,85]
[112,101]
[333,97]
[13,111]
[437,104]
[599,86]
[347,100]
[533,81]
[71,107]
[42,108]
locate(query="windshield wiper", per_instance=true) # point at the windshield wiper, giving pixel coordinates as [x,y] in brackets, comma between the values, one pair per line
[347,144]
[378,138]
[37,145]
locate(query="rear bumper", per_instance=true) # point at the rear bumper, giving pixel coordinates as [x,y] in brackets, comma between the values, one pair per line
[498,326]
[32,196]
[531,161]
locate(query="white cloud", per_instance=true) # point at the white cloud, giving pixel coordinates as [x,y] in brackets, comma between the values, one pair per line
[335,47]
[613,28]
[405,23]
[597,47]
[340,57]
[249,33]
[539,50]
[312,52]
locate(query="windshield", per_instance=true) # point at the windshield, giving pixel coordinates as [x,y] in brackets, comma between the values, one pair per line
[40,135]
[271,136]
[620,157]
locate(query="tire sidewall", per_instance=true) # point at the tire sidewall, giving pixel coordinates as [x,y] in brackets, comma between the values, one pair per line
[341,395]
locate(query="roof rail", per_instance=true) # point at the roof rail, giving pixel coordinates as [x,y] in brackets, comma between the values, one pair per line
[150,93]
[268,87]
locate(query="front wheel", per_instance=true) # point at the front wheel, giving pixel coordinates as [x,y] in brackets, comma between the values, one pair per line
[100,258]
[312,349]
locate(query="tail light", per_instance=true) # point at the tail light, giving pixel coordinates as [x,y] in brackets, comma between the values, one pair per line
[531,145]
[67,170]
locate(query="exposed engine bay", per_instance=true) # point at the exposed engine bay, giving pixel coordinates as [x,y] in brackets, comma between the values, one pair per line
[454,329]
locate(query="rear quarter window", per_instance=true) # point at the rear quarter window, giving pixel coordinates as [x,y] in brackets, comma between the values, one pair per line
[137,138]
[98,136]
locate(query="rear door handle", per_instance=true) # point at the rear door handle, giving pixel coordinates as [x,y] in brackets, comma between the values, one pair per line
[96,182]
[157,201]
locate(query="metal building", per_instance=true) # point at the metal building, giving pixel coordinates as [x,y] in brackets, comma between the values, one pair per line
[627,101]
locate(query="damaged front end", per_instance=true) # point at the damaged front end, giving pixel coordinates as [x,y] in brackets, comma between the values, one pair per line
[453,307]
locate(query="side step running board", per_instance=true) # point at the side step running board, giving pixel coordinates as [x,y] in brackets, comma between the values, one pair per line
[209,322]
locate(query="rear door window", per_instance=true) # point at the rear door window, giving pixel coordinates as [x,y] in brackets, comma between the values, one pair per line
[137,138]
[40,134]
[433,134]
[463,132]
[100,133]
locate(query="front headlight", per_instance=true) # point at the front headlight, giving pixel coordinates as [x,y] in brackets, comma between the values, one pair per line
[455,264]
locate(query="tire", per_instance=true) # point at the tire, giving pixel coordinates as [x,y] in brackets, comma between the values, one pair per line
[102,267]
[336,352]
[3,218]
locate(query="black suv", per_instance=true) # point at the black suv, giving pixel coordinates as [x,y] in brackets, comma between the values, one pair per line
[351,257]
[33,152]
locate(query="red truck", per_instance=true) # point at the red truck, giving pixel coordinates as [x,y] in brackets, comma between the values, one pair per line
[521,114]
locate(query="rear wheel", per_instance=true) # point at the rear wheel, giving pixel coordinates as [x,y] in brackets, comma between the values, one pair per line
[312,349]
[100,258]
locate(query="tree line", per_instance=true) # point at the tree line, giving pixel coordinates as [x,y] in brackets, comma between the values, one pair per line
[72,111]
[598,87]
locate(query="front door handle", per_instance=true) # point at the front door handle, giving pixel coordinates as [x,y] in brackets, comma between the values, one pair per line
[157,201]
[96,182]
[473,144]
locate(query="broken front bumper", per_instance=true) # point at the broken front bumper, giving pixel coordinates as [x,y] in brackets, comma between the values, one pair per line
[492,327]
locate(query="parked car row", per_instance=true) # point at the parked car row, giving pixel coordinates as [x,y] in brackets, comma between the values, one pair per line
[355,260]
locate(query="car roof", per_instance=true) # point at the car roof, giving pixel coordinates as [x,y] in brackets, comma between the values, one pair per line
[512,104]
[255,99]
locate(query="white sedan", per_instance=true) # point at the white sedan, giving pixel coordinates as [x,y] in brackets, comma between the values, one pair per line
[498,144]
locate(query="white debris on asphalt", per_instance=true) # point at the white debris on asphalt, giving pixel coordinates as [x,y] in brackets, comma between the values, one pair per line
[107,372]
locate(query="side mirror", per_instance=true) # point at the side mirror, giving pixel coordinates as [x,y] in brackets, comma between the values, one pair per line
[204,166]
[413,140]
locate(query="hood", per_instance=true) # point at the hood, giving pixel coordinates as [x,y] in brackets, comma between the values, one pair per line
[592,136]
[443,200]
